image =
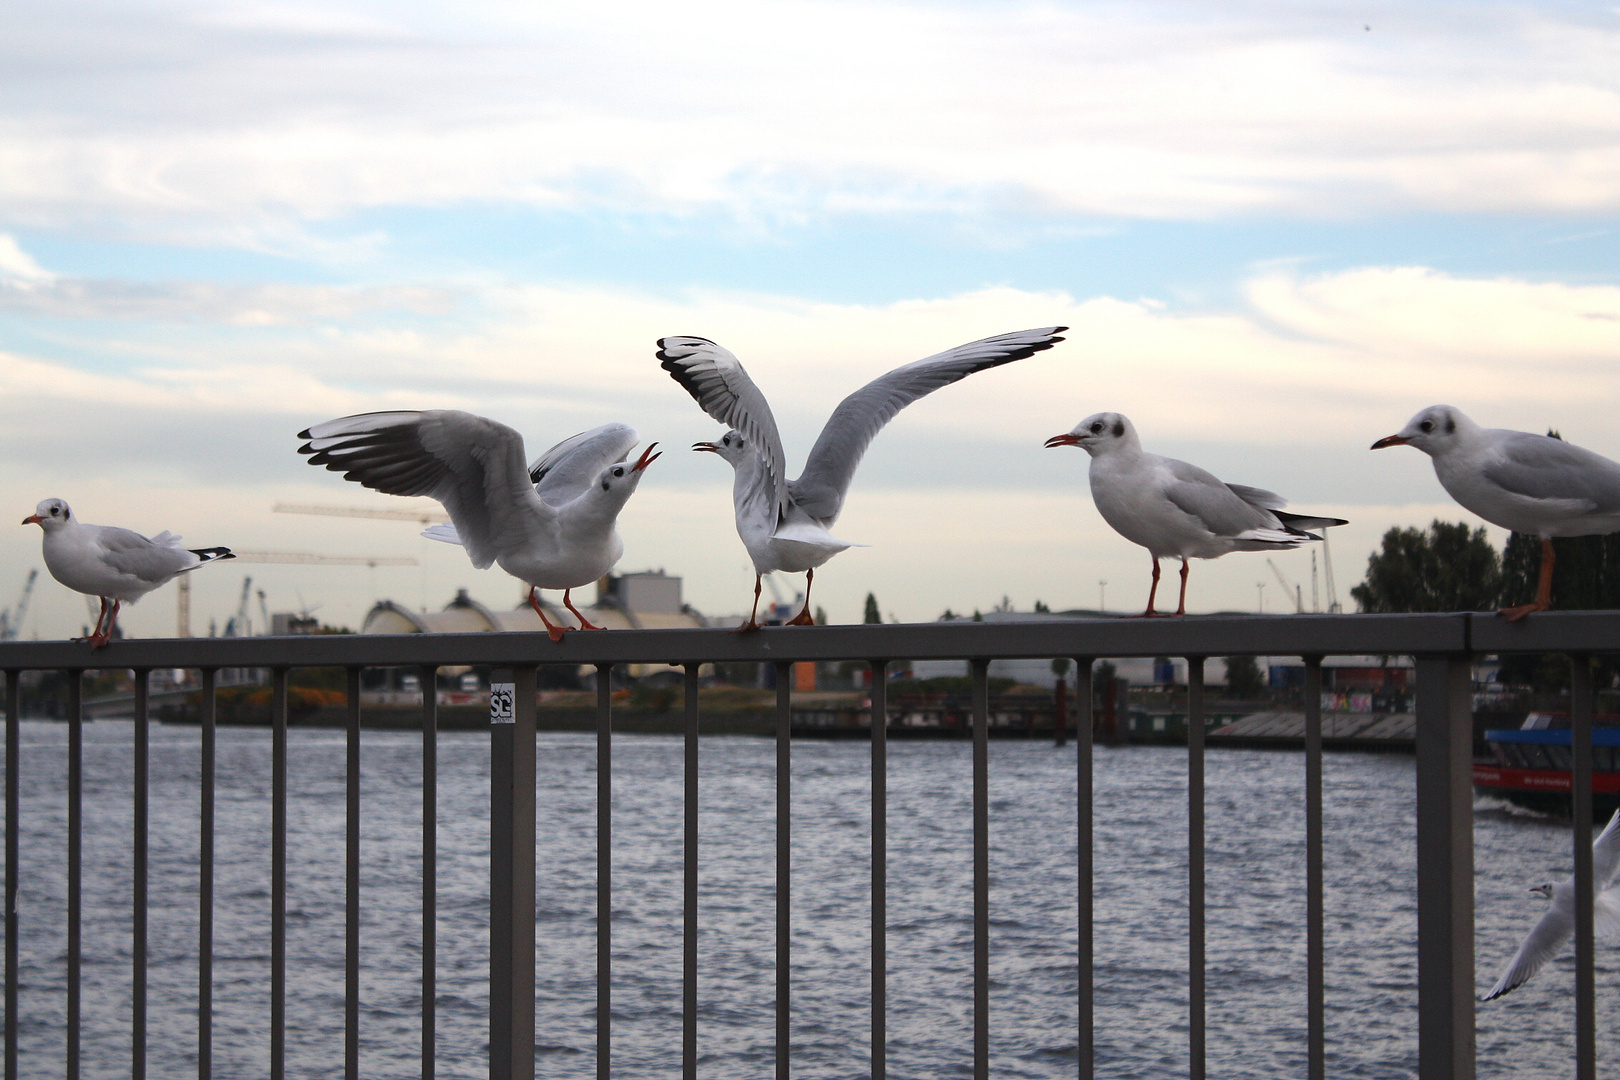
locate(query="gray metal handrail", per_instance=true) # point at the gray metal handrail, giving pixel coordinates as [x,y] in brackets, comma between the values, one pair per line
[1442,643]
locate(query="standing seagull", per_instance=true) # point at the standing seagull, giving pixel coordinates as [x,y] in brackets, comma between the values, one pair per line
[550,524]
[1533,484]
[1176,509]
[1558,923]
[784,523]
[116,565]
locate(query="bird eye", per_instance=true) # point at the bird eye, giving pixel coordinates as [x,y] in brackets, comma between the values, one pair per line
[618,472]
[55,510]
[1096,429]
[1427,425]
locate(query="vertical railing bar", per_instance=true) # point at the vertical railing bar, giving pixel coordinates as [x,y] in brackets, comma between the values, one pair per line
[981,869]
[13,848]
[604,871]
[278,873]
[1195,868]
[75,853]
[205,882]
[689,896]
[1085,870]
[880,869]
[1445,867]
[1315,997]
[511,873]
[784,865]
[138,927]
[1580,740]
[351,867]
[428,676]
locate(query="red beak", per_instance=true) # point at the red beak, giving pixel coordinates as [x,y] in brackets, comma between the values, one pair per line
[708,446]
[1066,439]
[32,519]
[1390,440]
[647,458]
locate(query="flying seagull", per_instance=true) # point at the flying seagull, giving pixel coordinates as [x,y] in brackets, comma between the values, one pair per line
[1533,484]
[785,523]
[551,524]
[1558,924]
[1176,509]
[116,565]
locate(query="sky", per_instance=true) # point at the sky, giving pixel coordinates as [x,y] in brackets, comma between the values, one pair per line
[1275,230]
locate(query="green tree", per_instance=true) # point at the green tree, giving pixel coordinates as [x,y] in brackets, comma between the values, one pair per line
[1444,568]
[1243,677]
[872,614]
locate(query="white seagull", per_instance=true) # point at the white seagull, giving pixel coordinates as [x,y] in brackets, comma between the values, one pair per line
[1176,509]
[784,523]
[1558,924]
[550,524]
[116,565]
[1533,484]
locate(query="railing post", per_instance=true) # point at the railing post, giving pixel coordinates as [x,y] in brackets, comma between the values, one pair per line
[351,884]
[981,868]
[1315,998]
[1196,1032]
[1580,746]
[784,869]
[604,871]
[1084,731]
[75,858]
[428,677]
[278,873]
[880,869]
[138,916]
[1445,868]
[689,905]
[13,847]
[511,874]
[205,879]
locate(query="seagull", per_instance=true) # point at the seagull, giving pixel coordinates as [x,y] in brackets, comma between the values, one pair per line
[784,523]
[550,524]
[1533,484]
[1176,509]
[1558,924]
[118,566]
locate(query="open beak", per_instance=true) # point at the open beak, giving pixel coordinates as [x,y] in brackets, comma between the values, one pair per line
[647,458]
[1391,440]
[708,446]
[1066,439]
[32,519]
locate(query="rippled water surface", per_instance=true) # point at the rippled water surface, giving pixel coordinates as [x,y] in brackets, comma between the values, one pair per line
[1256,910]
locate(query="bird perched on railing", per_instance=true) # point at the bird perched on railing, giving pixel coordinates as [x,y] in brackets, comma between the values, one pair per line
[1534,484]
[1176,509]
[785,523]
[117,566]
[552,524]
[1558,924]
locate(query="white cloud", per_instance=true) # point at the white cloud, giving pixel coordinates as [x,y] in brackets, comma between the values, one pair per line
[240,122]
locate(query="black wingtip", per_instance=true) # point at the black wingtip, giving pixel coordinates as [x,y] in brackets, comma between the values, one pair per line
[213,553]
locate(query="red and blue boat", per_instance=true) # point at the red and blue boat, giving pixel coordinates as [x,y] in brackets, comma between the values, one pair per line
[1530,765]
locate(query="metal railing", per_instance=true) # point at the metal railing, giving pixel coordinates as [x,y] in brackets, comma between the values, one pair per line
[1442,644]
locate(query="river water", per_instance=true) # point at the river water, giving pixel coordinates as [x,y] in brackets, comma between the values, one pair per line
[1256,910]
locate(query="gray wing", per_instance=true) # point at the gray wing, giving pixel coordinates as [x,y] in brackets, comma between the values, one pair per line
[564,472]
[1541,467]
[151,561]
[718,383]
[1205,497]
[473,466]
[820,489]
[1266,500]
[1539,946]
[1606,854]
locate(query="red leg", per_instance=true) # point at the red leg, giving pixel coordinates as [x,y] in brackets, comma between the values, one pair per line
[554,632]
[1543,599]
[1181,608]
[1152,595]
[104,632]
[753,612]
[95,631]
[584,623]
[804,618]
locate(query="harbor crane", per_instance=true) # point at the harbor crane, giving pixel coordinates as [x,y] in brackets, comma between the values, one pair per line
[303,558]
[11,620]
[1299,599]
[423,516]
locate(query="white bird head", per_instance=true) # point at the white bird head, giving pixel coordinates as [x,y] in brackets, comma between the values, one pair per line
[619,480]
[732,446]
[49,515]
[1434,431]
[1545,890]
[1099,433]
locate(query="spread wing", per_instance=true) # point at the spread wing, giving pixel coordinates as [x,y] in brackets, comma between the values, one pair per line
[718,383]
[152,561]
[1539,946]
[820,489]
[1541,467]
[473,466]
[564,472]
[1606,854]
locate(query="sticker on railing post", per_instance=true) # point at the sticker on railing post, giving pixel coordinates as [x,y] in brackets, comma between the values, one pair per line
[502,703]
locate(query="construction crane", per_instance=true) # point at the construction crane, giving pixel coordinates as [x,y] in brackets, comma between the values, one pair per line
[1299,600]
[237,625]
[305,558]
[423,516]
[11,620]
[1334,607]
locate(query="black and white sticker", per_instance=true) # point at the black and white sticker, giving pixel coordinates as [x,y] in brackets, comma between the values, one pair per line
[502,697]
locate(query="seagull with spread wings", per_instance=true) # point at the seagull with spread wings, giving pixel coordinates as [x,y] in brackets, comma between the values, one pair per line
[785,523]
[552,524]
